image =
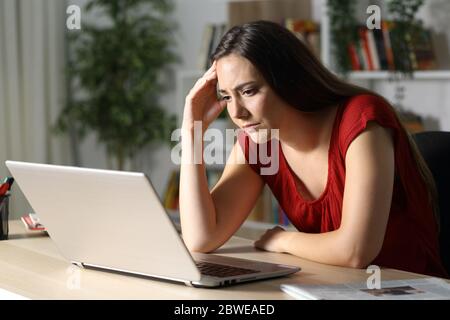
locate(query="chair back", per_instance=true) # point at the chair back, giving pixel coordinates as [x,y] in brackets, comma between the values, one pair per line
[435,149]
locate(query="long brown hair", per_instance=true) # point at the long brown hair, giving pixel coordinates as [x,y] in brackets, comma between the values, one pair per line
[295,74]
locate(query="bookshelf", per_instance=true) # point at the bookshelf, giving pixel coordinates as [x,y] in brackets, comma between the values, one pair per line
[420,99]
[242,11]
[441,73]
[385,75]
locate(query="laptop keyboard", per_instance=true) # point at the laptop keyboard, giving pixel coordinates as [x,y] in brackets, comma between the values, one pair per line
[222,271]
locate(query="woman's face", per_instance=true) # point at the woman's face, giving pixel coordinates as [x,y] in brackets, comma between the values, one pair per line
[252,104]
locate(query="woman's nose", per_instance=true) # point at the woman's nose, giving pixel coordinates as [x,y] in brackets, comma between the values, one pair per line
[237,110]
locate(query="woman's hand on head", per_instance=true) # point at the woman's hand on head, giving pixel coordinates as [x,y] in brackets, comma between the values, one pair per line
[272,240]
[201,103]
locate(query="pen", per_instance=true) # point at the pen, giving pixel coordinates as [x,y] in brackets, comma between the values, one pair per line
[6,185]
[4,189]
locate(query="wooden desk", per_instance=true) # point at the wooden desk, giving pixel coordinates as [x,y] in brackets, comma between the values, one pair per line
[30,265]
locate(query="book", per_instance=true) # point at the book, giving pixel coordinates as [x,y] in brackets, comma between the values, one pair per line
[411,53]
[366,49]
[411,289]
[373,50]
[363,59]
[171,195]
[354,59]
[212,35]
[385,27]
[423,51]
[381,49]
[412,121]
[203,57]
[32,222]
[262,209]
[307,31]
[441,49]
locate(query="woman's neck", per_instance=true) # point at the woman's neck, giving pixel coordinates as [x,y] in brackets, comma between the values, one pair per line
[305,132]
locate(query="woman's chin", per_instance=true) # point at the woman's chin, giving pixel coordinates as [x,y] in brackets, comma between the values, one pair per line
[259,136]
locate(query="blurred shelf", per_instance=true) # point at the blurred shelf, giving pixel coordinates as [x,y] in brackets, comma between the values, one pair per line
[386,75]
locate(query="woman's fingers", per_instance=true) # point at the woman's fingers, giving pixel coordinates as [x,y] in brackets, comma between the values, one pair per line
[204,95]
[210,72]
[213,67]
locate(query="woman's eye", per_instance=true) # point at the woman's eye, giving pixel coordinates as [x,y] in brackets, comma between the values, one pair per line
[248,92]
[225,98]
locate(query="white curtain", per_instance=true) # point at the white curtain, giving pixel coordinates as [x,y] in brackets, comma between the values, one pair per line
[32,85]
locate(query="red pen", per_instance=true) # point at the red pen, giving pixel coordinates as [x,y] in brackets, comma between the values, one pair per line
[4,189]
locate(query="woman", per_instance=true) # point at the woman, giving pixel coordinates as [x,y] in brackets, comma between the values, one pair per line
[349,177]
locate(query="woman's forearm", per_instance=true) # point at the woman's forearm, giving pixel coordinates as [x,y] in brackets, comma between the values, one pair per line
[197,212]
[333,248]
[328,248]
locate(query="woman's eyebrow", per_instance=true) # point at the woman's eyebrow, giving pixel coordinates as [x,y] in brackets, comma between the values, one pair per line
[239,87]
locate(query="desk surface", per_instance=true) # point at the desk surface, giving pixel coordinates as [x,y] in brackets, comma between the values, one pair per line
[31,265]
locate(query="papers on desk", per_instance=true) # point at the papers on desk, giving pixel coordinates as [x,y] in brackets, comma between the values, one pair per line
[7,295]
[412,289]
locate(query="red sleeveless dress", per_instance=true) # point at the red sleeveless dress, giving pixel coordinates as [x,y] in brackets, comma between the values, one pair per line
[411,239]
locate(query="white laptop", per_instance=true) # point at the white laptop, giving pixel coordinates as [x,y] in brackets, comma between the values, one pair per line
[115,221]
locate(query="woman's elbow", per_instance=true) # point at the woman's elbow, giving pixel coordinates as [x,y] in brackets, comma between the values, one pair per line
[199,248]
[200,245]
[362,257]
[358,262]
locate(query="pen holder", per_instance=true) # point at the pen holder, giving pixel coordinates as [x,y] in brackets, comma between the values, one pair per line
[4,216]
